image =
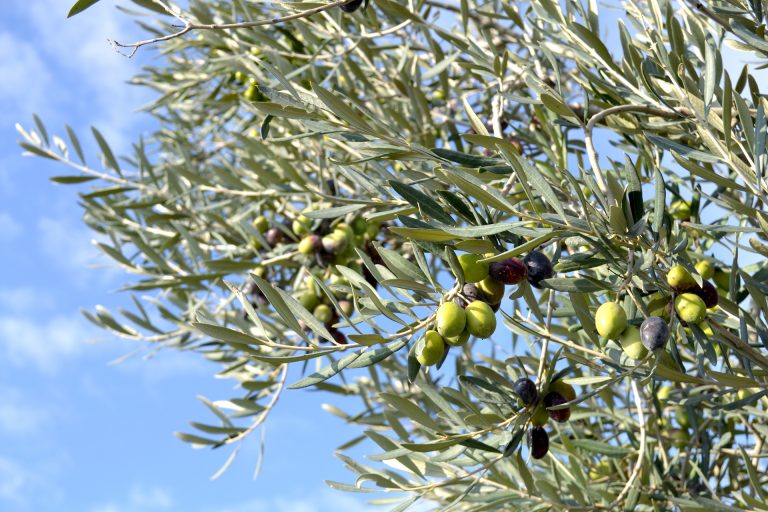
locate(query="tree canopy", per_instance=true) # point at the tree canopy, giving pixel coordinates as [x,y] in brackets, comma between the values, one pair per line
[528,237]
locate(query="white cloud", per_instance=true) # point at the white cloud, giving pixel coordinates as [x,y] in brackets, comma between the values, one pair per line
[24,299]
[139,499]
[9,228]
[46,341]
[19,416]
[81,49]
[25,77]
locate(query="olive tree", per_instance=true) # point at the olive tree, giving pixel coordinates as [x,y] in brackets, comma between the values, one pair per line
[535,255]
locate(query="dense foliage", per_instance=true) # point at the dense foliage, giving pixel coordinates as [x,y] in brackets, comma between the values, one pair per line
[352,192]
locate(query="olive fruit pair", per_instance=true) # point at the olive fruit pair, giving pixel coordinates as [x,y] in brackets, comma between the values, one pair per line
[559,392]
[680,280]
[536,267]
[478,319]
[611,323]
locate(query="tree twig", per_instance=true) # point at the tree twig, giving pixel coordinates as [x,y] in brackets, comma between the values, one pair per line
[189,27]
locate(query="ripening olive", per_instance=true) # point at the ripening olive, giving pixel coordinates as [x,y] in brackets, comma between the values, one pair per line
[309,245]
[539,440]
[552,399]
[346,307]
[654,333]
[433,349]
[469,293]
[474,271]
[690,308]
[509,271]
[657,304]
[630,342]
[610,320]
[481,321]
[492,290]
[565,389]
[526,391]
[273,236]
[451,320]
[334,243]
[679,279]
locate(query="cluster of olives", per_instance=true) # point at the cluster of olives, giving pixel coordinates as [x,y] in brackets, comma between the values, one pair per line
[538,404]
[472,312]
[320,245]
[690,303]
[611,323]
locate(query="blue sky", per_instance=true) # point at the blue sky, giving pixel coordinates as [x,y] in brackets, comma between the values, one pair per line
[77,433]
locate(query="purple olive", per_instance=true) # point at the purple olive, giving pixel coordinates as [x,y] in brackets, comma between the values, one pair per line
[509,271]
[654,333]
[708,294]
[273,236]
[526,391]
[539,268]
[539,441]
[469,294]
[552,399]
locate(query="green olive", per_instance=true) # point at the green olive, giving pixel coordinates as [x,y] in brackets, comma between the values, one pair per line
[433,349]
[680,209]
[301,225]
[610,320]
[451,320]
[492,289]
[705,269]
[473,270]
[690,308]
[261,224]
[679,279]
[459,340]
[632,344]
[309,245]
[323,313]
[663,393]
[540,416]
[722,279]
[309,300]
[481,320]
